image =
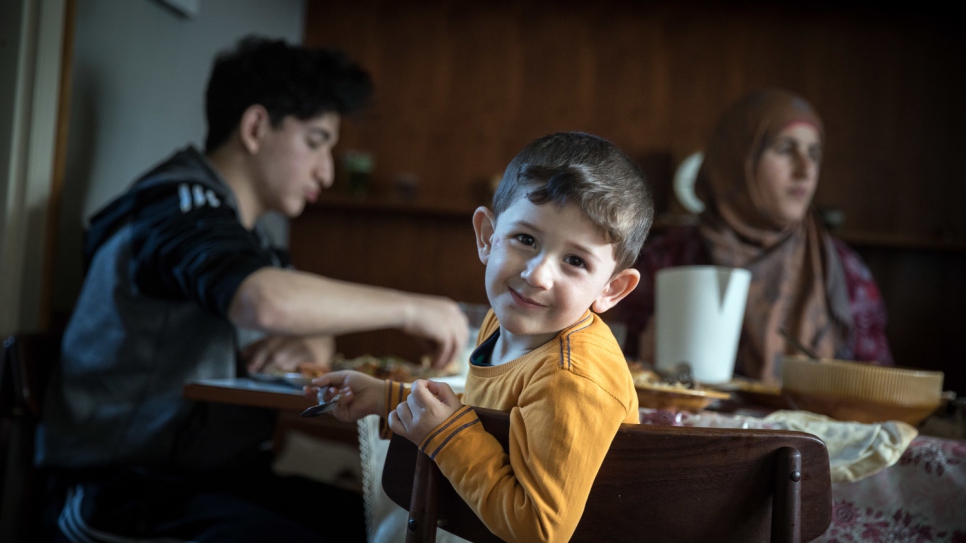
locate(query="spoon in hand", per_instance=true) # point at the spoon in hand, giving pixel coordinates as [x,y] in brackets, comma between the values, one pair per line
[323,407]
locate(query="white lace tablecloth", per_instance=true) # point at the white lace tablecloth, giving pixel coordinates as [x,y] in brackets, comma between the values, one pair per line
[919,499]
[386,521]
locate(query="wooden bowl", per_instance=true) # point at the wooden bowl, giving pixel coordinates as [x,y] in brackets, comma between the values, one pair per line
[754,393]
[656,396]
[860,392]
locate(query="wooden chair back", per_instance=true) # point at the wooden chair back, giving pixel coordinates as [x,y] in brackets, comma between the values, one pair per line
[669,484]
[25,366]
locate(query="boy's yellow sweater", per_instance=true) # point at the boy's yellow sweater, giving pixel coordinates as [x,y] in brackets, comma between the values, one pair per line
[566,400]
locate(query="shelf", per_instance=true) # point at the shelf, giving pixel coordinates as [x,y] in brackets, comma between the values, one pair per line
[892,241]
[853,238]
[464,210]
[453,210]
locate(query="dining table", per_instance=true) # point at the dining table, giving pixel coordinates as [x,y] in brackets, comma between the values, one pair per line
[285,398]
[920,498]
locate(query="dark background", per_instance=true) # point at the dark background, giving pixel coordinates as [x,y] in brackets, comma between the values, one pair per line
[461,87]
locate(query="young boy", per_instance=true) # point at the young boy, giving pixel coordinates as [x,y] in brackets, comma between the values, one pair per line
[568,220]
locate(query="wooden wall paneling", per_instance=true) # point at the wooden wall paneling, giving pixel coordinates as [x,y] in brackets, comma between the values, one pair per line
[422,253]
[925,294]
[461,87]
[887,124]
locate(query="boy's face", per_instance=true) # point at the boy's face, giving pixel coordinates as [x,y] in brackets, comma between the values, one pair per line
[546,265]
[294,162]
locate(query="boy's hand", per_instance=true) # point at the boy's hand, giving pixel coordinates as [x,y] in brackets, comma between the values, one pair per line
[440,321]
[287,353]
[361,394]
[428,405]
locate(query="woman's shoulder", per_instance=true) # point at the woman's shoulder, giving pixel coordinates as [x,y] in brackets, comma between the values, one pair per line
[856,270]
[864,295]
[868,308]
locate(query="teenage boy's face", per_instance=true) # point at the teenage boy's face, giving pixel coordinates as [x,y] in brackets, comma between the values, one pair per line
[545,266]
[295,162]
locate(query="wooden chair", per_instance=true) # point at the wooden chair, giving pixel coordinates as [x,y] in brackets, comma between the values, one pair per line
[669,484]
[25,366]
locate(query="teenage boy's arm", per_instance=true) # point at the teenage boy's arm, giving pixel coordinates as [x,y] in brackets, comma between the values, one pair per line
[205,255]
[291,302]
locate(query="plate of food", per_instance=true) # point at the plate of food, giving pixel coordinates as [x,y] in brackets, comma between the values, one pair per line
[393,368]
[296,379]
[655,393]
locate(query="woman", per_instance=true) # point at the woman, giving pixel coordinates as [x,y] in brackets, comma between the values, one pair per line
[759,174]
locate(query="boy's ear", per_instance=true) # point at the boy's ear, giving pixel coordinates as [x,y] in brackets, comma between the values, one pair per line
[484,223]
[254,123]
[619,286]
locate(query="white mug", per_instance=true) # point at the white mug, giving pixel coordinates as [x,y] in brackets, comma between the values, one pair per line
[699,310]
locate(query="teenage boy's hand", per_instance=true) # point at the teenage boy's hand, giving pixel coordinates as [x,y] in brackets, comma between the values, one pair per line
[440,321]
[361,394]
[428,405]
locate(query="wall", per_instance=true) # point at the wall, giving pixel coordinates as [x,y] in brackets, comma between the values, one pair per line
[460,87]
[463,86]
[32,36]
[139,74]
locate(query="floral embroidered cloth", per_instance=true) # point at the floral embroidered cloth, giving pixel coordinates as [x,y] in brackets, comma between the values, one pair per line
[921,498]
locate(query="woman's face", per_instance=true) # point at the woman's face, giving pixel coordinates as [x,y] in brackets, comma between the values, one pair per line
[787,171]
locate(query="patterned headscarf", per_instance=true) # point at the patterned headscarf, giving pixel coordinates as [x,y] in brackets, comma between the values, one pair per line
[797,278]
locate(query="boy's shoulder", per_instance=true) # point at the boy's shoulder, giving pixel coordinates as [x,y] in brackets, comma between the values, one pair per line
[587,344]
[589,351]
[586,348]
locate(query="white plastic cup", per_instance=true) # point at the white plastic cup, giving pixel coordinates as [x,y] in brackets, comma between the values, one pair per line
[699,310]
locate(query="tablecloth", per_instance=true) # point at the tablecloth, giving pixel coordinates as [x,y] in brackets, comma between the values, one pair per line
[921,498]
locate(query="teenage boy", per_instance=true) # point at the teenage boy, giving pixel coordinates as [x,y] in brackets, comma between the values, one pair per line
[568,220]
[174,267]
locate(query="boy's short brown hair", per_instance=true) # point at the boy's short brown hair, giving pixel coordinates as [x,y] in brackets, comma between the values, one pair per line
[594,175]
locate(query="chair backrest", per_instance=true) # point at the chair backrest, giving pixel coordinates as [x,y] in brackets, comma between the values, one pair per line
[656,484]
[25,366]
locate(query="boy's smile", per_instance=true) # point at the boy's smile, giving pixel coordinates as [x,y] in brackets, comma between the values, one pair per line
[545,266]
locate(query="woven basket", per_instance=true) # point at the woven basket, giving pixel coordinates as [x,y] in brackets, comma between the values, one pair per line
[860,392]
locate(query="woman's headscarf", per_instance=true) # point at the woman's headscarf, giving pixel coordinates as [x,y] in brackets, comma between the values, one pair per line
[797,278]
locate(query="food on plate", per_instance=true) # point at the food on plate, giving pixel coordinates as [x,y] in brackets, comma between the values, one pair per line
[648,378]
[655,393]
[311,370]
[385,367]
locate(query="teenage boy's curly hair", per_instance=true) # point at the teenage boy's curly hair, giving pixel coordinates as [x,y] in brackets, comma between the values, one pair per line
[593,174]
[285,80]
